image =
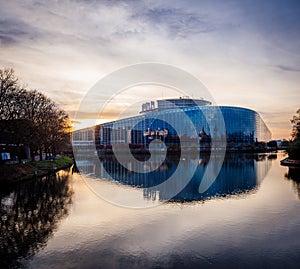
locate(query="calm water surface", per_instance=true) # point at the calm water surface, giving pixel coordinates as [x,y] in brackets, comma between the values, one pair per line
[249,218]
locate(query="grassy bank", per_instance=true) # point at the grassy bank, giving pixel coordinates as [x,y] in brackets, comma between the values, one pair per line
[10,173]
[56,164]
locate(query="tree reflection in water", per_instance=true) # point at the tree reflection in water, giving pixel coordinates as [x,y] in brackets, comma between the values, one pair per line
[294,175]
[30,214]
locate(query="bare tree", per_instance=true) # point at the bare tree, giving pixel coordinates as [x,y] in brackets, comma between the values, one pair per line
[8,87]
[50,126]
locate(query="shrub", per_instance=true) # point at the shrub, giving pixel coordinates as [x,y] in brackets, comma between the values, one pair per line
[293,150]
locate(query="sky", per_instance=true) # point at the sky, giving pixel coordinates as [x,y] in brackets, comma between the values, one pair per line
[247,53]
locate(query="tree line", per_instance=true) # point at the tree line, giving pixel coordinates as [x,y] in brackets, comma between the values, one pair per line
[37,120]
[294,148]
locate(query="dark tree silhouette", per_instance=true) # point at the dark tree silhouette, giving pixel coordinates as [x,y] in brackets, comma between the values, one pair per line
[294,148]
[50,125]
[293,174]
[9,87]
[296,126]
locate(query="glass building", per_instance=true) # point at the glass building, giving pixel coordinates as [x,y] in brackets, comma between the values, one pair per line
[181,121]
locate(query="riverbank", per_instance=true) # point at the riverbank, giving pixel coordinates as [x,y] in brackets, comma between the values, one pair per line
[290,162]
[177,151]
[11,173]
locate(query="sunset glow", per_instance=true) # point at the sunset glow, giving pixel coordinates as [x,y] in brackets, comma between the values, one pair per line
[245,52]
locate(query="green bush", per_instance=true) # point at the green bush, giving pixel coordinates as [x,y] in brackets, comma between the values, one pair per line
[293,150]
[63,161]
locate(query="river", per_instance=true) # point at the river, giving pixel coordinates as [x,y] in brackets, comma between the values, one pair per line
[248,218]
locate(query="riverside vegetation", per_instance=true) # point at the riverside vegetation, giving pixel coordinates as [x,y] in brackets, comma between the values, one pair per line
[30,118]
[12,173]
[293,149]
[32,127]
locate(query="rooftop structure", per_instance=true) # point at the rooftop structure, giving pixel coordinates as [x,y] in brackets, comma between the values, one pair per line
[166,104]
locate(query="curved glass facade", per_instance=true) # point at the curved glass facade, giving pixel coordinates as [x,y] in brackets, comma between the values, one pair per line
[243,126]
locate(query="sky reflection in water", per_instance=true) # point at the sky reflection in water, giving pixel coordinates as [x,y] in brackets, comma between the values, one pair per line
[256,226]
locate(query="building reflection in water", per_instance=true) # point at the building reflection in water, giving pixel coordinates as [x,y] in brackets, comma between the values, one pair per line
[240,174]
[294,175]
[30,214]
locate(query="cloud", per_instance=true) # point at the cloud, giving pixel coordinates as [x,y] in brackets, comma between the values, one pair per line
[176,22]
[15,31]
[287,68]
[246,52]
[6,40]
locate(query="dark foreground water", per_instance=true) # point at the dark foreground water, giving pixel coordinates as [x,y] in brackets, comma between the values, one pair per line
[248,218]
